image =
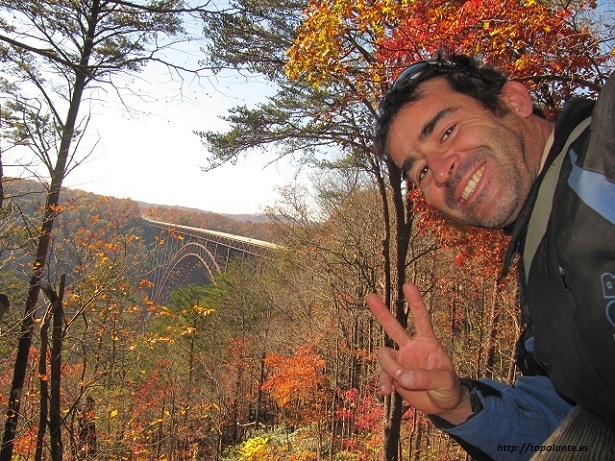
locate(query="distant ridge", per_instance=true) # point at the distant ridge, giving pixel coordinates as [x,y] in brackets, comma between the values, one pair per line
[33,186]
[242,217]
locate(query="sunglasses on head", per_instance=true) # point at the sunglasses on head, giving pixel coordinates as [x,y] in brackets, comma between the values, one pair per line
[424,70]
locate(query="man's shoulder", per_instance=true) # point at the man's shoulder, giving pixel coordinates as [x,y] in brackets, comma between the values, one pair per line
[574,112]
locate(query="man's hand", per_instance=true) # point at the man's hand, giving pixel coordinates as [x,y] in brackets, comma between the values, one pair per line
[421,371]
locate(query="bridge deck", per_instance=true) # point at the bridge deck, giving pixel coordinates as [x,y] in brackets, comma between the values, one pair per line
[221,237]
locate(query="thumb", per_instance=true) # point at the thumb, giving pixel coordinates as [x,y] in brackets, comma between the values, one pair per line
[420,379]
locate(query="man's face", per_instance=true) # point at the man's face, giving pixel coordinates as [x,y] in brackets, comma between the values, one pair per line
[471,165]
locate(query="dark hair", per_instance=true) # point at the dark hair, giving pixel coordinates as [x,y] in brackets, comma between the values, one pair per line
[462,73]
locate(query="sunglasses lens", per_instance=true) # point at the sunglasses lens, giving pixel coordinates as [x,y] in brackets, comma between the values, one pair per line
[422,69]
[410,73]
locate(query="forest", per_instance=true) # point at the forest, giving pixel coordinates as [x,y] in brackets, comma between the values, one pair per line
[275,361]
[273,364]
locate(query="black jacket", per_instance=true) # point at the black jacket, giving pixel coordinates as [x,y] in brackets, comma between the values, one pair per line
[569,295]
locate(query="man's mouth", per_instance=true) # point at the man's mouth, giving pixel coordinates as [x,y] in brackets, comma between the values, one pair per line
[472,183]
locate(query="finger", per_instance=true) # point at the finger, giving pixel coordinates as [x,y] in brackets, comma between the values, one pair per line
[389,323]
[393,374]
[386,383]
[387,358]
[420,314]
[438,379]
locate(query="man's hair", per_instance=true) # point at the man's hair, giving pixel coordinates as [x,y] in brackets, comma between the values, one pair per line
[462,73]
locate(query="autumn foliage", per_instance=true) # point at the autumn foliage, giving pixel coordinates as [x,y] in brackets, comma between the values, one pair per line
[357,49]
[479,247]
[369,43]
[298,384]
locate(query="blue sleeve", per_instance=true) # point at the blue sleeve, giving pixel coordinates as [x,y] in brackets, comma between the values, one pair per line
[514,420]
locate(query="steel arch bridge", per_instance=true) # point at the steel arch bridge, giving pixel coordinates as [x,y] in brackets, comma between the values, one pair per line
[187,255]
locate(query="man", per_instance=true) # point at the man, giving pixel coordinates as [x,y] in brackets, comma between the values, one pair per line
[473,142]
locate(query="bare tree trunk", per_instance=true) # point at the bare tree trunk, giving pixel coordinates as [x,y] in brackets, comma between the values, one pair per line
[259,392]
[334,399]
[50,400]
[43,385]
[493,332]
[1,170]
[87,431]
[397,272]
[55,417]
[418,437]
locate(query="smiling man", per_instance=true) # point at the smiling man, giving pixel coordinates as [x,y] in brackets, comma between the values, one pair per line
[482,154]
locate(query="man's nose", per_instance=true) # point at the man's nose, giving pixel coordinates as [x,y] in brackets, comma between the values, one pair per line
[443,167]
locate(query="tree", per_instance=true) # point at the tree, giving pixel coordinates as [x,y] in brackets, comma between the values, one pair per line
[53,54]
[336,262]
[190,302]
[368,44]
[298,385]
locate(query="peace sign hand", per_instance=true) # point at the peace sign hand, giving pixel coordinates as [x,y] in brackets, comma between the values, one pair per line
[421,371]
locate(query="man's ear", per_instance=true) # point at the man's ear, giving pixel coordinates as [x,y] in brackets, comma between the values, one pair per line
[517,98]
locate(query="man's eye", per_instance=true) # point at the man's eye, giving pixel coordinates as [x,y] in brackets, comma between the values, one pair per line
[447,133]
[422,172]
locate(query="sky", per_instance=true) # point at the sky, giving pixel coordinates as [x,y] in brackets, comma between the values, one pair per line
[145,148]
[151,153]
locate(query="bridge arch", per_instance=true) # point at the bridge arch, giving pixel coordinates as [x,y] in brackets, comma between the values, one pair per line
[190,252]
[183,251]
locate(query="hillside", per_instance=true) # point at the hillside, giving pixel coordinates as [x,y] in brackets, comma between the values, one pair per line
[30,195]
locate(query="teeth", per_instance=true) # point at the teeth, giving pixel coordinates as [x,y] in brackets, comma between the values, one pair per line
[472,184]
